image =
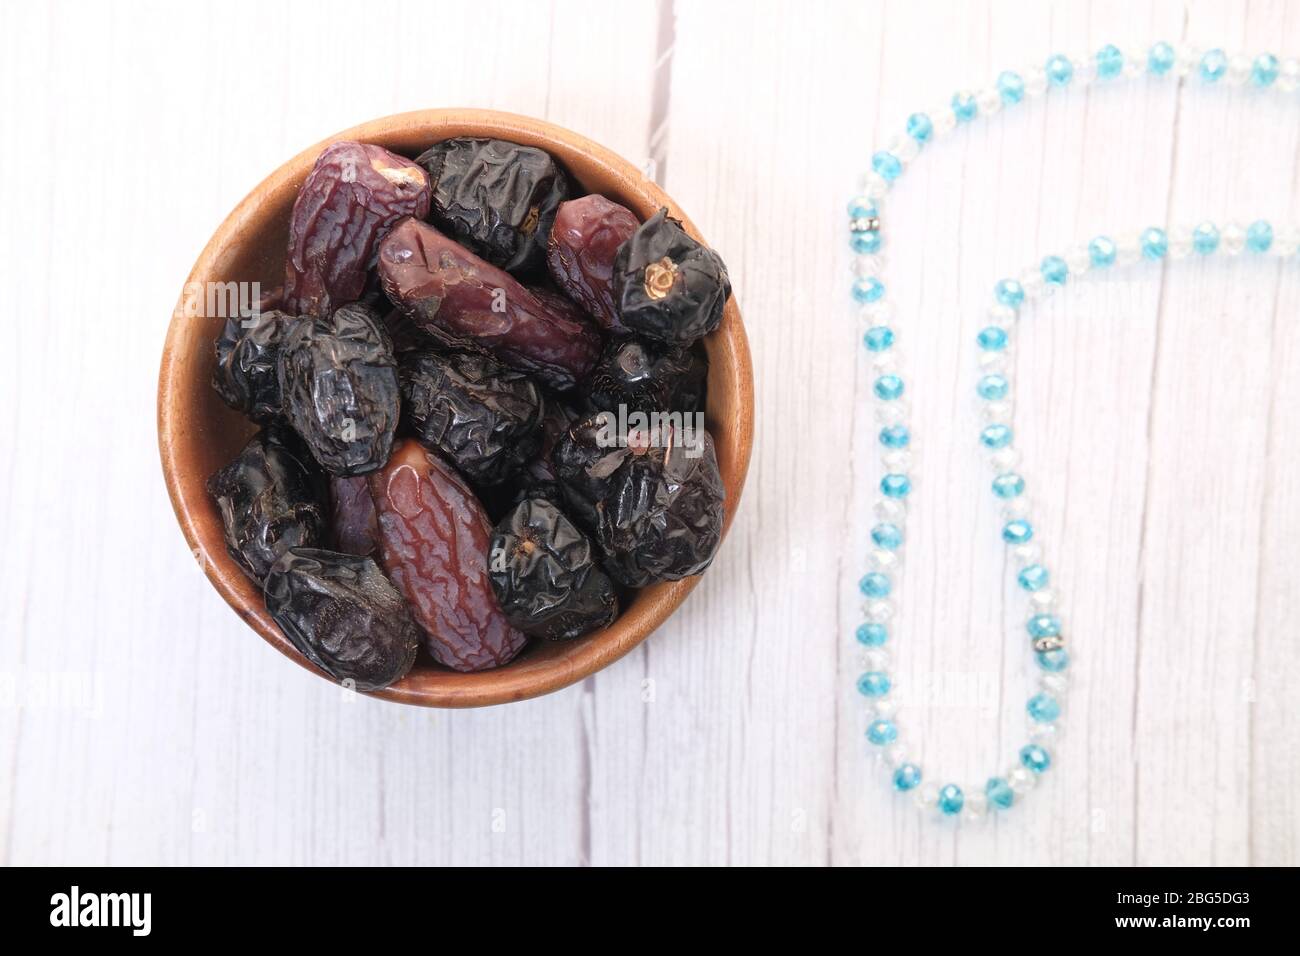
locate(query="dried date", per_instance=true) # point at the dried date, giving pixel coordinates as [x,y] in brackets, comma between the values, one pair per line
[667,285]
[246,375]
[484,418]
[339,382]
[584,243]
[350,199]
[343,615]
[434,540]
[498,199]
[271,498]
[545,574]
[640,375]
[354,529]
[470,304]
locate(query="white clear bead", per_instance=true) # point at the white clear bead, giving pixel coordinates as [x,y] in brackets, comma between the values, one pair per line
[1079,260]
[975,806]
[989,101]
[907,149]
[1031,280]
[1188,58]
[1135,62]
[887,361]
[896,755]
[891,510]
[1180,242]
[1057,684]
[882,560]
[1288,76]
[892,413]
[1029,553]
[1238,69]
[998,413]
[1233,239]
[1020,779]
[864,266]
[1128,249]
[897,461]
[875,186]
[879,612]
[1043,600]
[1035,80]
[1017,507]
[1285,242]
[943,120]
[1004,459]
[1003,316]
[1043,734]
[993,361]
[879,313]
[875,659]
[885,708]
[1085,71]
[927,796]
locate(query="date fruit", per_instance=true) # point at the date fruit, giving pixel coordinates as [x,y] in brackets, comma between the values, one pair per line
[667,285]
[584,242]
[349,201]
[499,199]
[338,378]
[545,575]
[434,540]
[343,615]
[639,374]
[248,356]
[485,419]
[271,499]
[354,529]
[470,304]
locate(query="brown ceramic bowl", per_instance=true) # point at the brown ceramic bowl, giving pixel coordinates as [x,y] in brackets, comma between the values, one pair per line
[197,433]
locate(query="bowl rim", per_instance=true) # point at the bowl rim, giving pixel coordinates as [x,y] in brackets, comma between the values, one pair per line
[516,680]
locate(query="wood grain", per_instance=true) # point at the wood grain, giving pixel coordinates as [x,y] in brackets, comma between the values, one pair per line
[1158,413]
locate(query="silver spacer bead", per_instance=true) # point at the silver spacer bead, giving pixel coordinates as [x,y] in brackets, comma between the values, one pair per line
[865,224]
[1049,643]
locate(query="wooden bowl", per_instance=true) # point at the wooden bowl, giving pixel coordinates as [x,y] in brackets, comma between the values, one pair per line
[197,433]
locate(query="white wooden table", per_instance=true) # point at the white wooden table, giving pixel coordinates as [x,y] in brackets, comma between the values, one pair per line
[141,722]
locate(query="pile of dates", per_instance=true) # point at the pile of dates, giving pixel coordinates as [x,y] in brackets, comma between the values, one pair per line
[481,396]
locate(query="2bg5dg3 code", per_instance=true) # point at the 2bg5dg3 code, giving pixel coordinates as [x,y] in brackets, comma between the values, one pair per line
[1187,897]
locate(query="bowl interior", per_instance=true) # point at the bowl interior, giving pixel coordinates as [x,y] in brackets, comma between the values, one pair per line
[198,433]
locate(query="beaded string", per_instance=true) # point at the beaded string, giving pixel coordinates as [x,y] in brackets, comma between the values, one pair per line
[1047,640]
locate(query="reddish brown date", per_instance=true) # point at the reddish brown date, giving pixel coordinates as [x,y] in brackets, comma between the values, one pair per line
[580,255]
[466,302]
[350,200]
[433,544]
[354,529]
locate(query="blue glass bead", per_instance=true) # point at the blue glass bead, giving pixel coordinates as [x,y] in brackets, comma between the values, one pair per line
[895,486]
[868,290]
[1059,70]
[964,107]
[875,585]
[999,793]
[1054,661]
[873,684]
[887,165]
[887,536]
[1042,708]
[1154,243]
[1259,236]
[1011,87]
[861,207]
[951,800]
[1102,252]
[888,388]
[1009,485]
[1035,758]
[919,127]
[1110,62]
[878,338]
[872,634]
[992,339]
[1213,65]
[1017,532]
[895,436]
[1033,577]
[866,242]
[1205,238]
[993,387]
[1010,293]
[907,777]
[1055,270]
[1044,625]
[881,732]
[1264,70]
[995,436]
[1160,59]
